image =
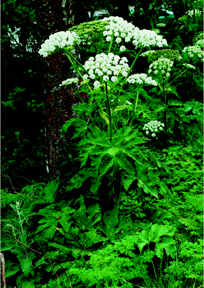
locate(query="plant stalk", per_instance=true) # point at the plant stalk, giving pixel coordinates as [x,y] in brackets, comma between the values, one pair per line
[109,113]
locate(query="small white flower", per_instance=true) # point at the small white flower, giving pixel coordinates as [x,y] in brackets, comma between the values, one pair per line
[85,76]
[108,38]
[127,39]
[96,84]
[105,78]
[92,76]
[122,48]
[114,79]
[118,40]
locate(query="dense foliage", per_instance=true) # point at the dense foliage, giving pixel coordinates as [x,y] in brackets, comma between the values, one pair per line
[128,212]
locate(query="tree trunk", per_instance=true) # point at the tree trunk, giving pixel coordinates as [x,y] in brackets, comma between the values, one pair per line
[54,16]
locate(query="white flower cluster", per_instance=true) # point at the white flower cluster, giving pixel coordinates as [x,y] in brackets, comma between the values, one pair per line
[106,66]
[194,51]
[189,66]
[191,13]
[69,81]
[58,40]
[200,44]
[121,29]
[141,79]
[153,127]
[161,25]
[144,54]
[147,38]
[162,65]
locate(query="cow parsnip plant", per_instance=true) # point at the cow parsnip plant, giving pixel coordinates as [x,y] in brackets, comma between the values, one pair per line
[115,153]
[117,166]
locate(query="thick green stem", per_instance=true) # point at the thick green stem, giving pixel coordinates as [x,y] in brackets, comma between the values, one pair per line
[69,55]
[165,101]
[178,76]
[137,97]
[111,43]
[133,63]
[109,114]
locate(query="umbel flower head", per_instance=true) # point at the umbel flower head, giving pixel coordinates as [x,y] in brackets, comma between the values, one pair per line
[69,81]
[121,30]
[107,67]
[147,38]
[58,41]
[171,54]
[194,52]
[153,127]
[90,32]
[162,65]
[141,79]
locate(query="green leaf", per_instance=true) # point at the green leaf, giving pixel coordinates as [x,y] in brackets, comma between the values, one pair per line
[127,182]
[11,269]
[26,266]
[40,262]
[8,247]
[77,180]
[50,191]
[168,244]
[113,151]
[60,247]
[96,182]
[73,121]
[104,169]
[188,107]
[111,220]
[65,219]
[125,164]
[150,190]
[27,284]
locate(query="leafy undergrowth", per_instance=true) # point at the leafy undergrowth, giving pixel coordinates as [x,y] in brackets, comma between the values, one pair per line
[50,240]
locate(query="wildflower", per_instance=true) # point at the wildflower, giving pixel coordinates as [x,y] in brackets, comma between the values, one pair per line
[189,66]
[113,79]
[104,65]
[105,78]
[194,52]
[141,79]
[69,81]
[96,84]
[58,41]
[162,65]
[122,48]
[153,126]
